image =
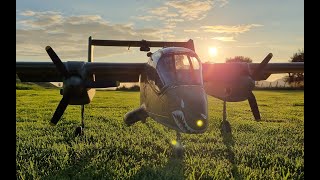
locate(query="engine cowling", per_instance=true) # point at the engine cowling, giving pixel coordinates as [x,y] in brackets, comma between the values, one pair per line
[230,81]
[234,82]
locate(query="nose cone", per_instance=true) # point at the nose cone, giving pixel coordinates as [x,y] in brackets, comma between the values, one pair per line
[190,124]
[190,113]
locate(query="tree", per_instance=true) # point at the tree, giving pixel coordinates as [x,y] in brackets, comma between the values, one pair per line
[239,59]
[296,79]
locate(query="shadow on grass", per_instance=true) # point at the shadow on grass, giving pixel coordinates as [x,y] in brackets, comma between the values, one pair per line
[228,141]
[86,165]
[174,169]
[81,166]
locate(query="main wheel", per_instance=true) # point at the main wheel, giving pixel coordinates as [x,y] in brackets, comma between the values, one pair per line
[78,131]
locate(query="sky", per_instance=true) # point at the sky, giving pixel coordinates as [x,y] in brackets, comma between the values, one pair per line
[233,27]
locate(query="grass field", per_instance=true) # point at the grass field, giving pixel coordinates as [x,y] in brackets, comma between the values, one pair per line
[270,149]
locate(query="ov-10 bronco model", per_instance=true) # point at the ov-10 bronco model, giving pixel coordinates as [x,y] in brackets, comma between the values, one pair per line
[173,83]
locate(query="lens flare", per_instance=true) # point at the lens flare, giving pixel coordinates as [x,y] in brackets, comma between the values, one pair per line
[173,142]
[199,123]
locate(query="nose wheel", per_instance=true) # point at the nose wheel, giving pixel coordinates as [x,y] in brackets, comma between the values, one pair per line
[178,148]
[79,131]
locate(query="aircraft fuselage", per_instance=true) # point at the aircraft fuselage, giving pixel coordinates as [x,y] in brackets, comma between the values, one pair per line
[180,106]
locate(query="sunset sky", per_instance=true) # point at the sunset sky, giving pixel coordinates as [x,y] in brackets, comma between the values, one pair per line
[233,27]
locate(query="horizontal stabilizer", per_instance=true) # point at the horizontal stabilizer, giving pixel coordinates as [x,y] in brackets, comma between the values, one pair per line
[143,43]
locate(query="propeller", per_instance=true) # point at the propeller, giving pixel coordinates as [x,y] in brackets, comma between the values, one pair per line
[57,61]
[64,72]
[60,110]
[254,106]
[255,75]
[75,90]
[259,70]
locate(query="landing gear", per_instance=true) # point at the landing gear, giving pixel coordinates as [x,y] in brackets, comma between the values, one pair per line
[178,148]
[225,125]
[79,130]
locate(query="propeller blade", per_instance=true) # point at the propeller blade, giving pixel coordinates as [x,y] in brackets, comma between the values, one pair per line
[60,110]
[254,106]
[261,66]
[57,61]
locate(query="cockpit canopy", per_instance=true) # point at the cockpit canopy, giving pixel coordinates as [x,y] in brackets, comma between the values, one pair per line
[183,68]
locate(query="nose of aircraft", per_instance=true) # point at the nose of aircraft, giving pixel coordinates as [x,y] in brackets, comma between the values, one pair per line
[190,110]
[190,124]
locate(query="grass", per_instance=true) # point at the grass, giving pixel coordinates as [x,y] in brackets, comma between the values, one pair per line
[270,149]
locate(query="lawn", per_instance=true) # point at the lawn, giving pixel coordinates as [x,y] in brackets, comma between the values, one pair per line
[270,149]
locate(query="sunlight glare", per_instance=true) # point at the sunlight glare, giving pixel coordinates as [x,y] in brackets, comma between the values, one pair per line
[213,51]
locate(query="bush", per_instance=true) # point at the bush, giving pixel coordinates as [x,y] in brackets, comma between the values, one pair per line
[132,88]
[21,86]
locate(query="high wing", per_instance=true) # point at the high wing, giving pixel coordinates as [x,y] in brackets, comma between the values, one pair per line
[277,68]
[99,72]
[210,70]
[47,71]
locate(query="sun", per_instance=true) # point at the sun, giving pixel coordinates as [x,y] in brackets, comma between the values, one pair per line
[213,51]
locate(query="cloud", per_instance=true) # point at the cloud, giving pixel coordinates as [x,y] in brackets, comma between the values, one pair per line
[174,20]
[159,15]
[40,19]
[170,25]
[191,9]
[223,2]
[145,18]
[27,13]
[251,44]
[159,11]
[225,38]
[172,15]
[229,29]
[68,35]
[190,30]
[185,10]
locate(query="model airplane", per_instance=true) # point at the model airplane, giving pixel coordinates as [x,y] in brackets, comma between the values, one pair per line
[173,83]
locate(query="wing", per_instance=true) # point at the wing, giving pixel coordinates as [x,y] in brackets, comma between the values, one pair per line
[100,72]
[47,71]
[122,72]
[225,69]
[277,68]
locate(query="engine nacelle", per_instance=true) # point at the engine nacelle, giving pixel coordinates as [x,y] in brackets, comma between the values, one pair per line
[80,85]
[231,82]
